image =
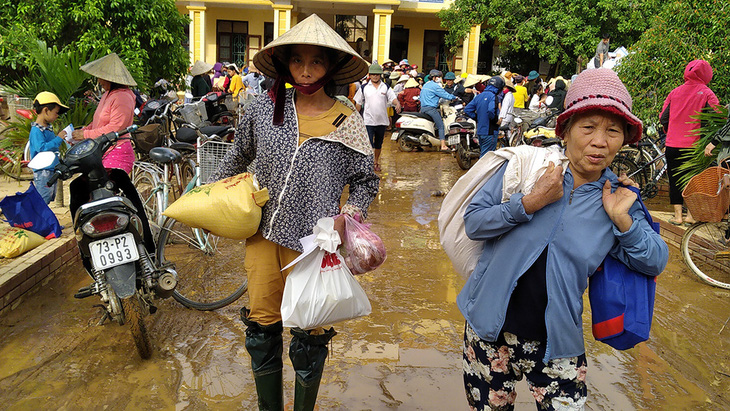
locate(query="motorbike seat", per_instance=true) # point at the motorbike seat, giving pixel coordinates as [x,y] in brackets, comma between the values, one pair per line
[419,115]
[217,130]
[462,124]
[184,147]
[186,135]
[164,155]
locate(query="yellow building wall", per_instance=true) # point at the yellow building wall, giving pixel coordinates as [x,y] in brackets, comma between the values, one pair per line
[416,26]
[255,18]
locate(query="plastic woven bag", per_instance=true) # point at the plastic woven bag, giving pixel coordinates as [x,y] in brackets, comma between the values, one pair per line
[28,210]
[15,241]
[228,208]
[364,250]
[321,290]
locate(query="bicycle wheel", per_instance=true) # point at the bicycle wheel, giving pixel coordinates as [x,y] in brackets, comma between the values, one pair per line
[148,186]
[622,163]
[209,269]
[706,251]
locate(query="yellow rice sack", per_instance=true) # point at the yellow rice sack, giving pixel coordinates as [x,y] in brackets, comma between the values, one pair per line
[15,241]
[228,208]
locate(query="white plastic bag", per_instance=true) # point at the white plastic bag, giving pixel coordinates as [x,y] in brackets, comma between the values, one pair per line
[321,290]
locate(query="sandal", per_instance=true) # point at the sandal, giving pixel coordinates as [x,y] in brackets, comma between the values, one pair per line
[674,222]
[377,167]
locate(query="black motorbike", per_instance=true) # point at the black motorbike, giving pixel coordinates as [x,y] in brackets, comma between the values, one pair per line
[113,236]
[463,138]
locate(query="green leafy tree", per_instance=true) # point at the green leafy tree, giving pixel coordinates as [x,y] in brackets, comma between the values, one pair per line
[681,32]
[147,34]
[565,33]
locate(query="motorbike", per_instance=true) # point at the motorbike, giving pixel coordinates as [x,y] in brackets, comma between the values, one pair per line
[463,138]
[416,131]
[114,239]
[217,107]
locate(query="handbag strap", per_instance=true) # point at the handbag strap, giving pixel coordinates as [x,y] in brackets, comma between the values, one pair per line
[643,207]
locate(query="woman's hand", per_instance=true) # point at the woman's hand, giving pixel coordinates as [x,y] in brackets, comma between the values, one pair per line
[708,149]
[78,135]
[340,227]
[618,203]
[548,189]
[62,134]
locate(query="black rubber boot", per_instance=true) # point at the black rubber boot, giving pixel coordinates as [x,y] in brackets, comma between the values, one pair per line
[265,346]
[308,353]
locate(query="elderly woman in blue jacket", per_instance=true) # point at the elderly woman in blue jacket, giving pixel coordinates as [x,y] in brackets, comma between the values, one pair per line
[523,302]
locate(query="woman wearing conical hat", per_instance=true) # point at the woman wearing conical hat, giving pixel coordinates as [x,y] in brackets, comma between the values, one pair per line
[200,85]
[115,110]
[305,147]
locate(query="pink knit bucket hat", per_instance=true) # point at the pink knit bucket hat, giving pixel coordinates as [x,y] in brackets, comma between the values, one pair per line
[600,89]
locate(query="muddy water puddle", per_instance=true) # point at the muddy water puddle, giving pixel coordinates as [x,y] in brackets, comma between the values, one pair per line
[406,355]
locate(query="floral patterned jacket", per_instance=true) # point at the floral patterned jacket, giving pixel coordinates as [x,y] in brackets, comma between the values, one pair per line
[306,181]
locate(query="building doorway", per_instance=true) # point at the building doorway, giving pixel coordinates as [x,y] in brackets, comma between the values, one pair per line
[435,53]
[231,42]
[486,57]
[398,44]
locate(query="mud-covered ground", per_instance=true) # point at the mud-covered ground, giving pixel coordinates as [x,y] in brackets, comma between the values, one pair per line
[405,355]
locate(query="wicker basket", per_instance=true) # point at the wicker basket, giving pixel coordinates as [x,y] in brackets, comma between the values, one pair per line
[148,137]
[705,196]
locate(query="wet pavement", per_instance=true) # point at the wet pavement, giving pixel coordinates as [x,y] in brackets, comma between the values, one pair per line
[406,355]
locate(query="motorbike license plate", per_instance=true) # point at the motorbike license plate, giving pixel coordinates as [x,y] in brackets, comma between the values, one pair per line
[454,139]
[113,251]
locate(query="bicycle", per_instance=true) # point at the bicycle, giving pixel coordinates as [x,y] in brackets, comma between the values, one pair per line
[706,245]
[208,267]
[644,162]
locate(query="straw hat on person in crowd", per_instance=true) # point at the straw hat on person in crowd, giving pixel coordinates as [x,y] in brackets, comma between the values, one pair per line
[313,31]
[411,83]
[508,83]
[471,80]
[403,78]
[200,67]
[110,68]
[395,75]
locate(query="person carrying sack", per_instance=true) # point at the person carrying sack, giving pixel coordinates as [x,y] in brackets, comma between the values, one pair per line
[523,309]
[306,147]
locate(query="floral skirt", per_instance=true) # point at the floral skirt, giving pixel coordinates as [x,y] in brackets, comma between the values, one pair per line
[492,369]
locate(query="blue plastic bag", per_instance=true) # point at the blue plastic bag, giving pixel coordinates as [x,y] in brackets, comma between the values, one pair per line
[622,300]
[28,210]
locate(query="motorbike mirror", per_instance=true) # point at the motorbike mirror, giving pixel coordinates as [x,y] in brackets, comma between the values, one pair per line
[42,160]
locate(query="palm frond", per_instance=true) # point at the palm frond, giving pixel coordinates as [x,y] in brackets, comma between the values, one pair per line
[695,162]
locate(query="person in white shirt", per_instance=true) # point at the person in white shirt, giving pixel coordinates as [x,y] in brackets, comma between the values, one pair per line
[506,112]
[373,99]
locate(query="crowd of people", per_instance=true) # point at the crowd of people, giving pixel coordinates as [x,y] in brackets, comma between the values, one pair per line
[325,116]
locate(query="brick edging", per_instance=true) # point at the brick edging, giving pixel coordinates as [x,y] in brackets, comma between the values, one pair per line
[35,269]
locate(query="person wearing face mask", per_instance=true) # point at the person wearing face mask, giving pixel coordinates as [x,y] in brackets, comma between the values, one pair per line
[431,92]
[306,147]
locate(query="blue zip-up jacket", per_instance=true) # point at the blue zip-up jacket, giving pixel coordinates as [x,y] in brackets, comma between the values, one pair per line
[430,94]
[43,139]
[483,109]
[578,235]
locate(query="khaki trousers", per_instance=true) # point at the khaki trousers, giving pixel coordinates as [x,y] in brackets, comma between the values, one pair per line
[264,261]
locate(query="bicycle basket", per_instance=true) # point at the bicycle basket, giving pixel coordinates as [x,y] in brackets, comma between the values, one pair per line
[231,103]
[148,137]
[211,153]
[705,196]
[194,113]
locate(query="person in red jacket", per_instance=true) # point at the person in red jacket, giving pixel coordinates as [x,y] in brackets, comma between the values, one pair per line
[408,98]
[681,105]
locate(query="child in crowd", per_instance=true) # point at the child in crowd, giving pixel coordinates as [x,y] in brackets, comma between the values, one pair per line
[41,138]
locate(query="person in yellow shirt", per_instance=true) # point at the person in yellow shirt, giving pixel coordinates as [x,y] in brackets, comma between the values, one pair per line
[236,84]
[521,96]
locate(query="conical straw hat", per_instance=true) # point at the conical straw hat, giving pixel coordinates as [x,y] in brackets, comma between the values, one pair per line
[200,67]
[110,68]
[471,80]
[411,83]
[313,31]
